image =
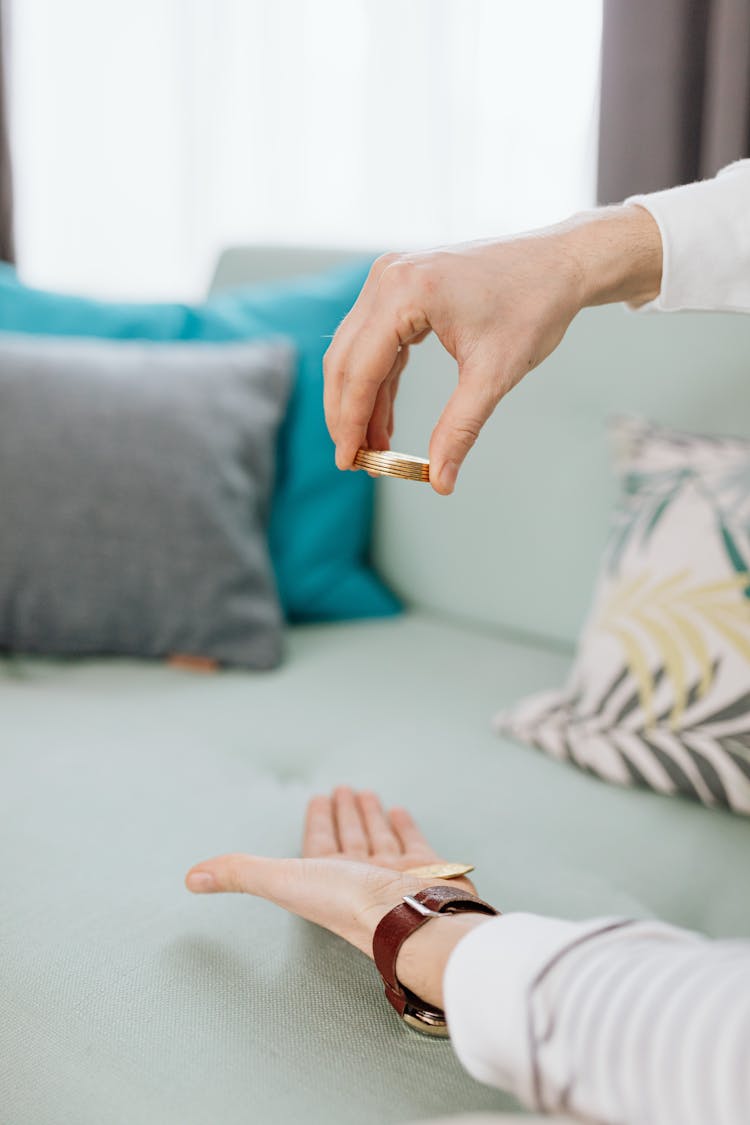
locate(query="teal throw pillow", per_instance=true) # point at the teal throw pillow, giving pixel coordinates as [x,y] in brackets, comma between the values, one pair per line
[320,518]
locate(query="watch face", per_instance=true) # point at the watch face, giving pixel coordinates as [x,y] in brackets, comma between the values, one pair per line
[440,870]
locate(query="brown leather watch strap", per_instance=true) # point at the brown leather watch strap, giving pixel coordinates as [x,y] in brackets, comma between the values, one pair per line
[400,923]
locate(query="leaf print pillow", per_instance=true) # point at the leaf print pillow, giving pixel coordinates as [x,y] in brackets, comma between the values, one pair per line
[659,695]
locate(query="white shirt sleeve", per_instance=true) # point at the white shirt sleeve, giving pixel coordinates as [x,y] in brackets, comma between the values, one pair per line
[705,233]
[633,1023]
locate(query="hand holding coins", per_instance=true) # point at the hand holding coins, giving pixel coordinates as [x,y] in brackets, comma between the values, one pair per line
[498,307]
[384,463]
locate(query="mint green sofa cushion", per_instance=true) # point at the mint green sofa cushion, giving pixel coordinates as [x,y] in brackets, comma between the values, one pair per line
[127,1000]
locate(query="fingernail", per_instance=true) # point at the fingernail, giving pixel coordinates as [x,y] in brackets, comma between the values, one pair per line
[201,883]
[448,474]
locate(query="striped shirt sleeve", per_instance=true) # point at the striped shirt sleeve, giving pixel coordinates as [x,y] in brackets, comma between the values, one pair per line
[612,1020]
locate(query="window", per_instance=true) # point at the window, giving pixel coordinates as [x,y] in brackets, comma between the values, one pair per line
[150,133]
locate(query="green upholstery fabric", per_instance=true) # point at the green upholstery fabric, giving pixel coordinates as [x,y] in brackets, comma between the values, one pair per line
[124,999]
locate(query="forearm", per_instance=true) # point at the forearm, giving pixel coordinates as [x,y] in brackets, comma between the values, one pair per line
[685,248]
[619,1022]
[705,234]
[618,255]
[424,957]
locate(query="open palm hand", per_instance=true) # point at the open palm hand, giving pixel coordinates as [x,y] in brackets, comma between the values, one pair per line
[352,873]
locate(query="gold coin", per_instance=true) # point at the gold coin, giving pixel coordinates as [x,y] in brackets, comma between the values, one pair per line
[440,870]
[395,465]
[388,464]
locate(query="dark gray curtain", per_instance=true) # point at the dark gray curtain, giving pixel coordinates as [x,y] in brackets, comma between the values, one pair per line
[675,92]
[7,253]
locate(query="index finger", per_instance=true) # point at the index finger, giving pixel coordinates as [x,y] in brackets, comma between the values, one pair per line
[376,357]
[334,361]
[367,350]
[319,837]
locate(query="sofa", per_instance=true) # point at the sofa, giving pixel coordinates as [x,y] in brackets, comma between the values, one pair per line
[126,1000]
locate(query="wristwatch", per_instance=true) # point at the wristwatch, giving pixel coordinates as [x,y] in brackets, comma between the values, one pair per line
[399,924]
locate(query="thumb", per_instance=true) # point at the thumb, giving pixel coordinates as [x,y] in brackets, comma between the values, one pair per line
[243,874]
[335,893]
[458,427]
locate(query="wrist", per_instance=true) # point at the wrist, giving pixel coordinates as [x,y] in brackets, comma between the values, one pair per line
[618,255]
[423,957]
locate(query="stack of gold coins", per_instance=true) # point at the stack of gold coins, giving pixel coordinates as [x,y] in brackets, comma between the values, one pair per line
[387,464]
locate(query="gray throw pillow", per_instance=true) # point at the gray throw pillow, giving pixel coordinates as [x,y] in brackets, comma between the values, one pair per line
[135,483]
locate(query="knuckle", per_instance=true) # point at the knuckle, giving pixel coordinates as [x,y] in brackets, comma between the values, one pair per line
[466,433]
[408,324]
[383,262]
[406,291]
[399,274]
[332,360]
[356,422]
[360,401]
[361,381]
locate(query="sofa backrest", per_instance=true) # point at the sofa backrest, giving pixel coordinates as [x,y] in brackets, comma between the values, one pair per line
[518,544]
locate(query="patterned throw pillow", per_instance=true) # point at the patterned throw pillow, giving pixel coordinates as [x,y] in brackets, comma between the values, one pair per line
[660,691]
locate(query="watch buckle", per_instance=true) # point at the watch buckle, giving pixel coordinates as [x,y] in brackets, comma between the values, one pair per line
[420,908]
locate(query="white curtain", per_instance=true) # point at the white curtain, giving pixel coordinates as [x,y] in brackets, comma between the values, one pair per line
[150,133]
